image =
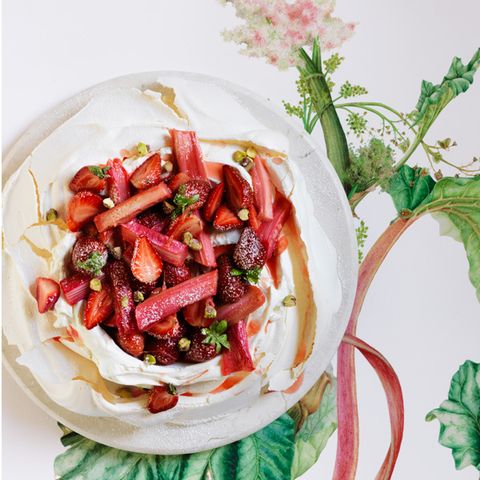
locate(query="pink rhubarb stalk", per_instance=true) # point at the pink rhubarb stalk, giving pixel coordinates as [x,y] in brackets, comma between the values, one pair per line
[241,309]
[237,358]
[188,154]
[118,188]
[75,288]
[205,256]
[262,189]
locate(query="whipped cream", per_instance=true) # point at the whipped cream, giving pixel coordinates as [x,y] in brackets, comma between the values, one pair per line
[84,370]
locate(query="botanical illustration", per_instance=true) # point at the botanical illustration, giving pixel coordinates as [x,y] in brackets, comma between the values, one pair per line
[372,146]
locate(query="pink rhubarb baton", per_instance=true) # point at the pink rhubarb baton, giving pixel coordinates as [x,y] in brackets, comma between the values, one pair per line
[188,154]
[262,190]
[205,256]
[130,208]
[237,358]
[170,250]
[171,300]
[118,188]
[241,309]
[76,287]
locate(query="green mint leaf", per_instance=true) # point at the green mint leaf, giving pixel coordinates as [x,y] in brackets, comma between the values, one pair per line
[236,272]
[99,171]
[215,335]
[94,264]
[182,202]
[459,417]
[251,276]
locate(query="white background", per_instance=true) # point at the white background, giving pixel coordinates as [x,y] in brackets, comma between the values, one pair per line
[421,311]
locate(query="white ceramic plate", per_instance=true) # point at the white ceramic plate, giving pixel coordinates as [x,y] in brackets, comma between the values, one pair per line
[333,213]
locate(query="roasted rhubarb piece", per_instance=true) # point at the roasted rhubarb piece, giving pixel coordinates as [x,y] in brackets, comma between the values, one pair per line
[263,189]
[118,188]
[200,314]
[237,358]
[148,174]
[188,154]
[91,178]
[75,288]
[130,208]
[251,301]
[171,300]
[269,231]
[81,208]
[253,219]
[249,252]
[162,398]
[47,292]
[213,202]
[230,288]
[238,191]
[169,250]
[99,307]
[206,255]
[146,264]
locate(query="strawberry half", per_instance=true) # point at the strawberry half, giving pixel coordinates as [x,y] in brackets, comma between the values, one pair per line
[251,301]
[91,178]
[196,314]
[153,219]
[132,343]
[99,307]
[171,300]
[249,252]
[174,275]
[75,288]
[81,208]
[253,219]
[146,265]
[201,188]
[118,188]
[186,222]
[170,327]
[188,154]
[230,288]
[238,190]
[177,180]
[237,358]
[226,220]
[164,350]
[47,292]
[89,255]
[148,174]
[199,351]
[130,208]
[161,399]
[213,202]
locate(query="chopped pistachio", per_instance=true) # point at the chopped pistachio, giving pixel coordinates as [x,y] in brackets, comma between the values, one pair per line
[195,245]
[124,302]
[247,163]
[142,149]
[289,301]
[138,297]
[251,152]
[243,214]
[149,359]
[172,389]
[108,203]
[184,344]
[187,238]
[238,156]
[168,166]
[52,215]
[167,207]
[210,312]
[96,284]
[117,252]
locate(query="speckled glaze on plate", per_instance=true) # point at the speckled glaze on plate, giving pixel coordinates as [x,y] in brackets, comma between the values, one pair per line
[331,210]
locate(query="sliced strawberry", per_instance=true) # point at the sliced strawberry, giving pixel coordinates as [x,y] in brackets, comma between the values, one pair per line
[223,249]
[153,219]
[199,351]
[87,179]
[75,288]
[110,322]
[169,250]
[108,238]
[170,301]
[213,202]
[253,219]
[238,190]
[263,189]
[144,288]
[199,188]
[99,307]
[89,255]
[177,180]
[127,254]
[164,350]
[251,301]
[169,327]
[205,256]
[197,314]
[174,275]
[186,222]
[226,220]
[118,188]
[160,399]
[237,358]
[230,288]
[249,252]
[47,292]
[148,174]
[188,154]
[269,231]
[146,264]
[130,208]
[81,208]
[132,343]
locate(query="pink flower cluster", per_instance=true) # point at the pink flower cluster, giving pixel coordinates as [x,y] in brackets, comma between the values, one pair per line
[277,29]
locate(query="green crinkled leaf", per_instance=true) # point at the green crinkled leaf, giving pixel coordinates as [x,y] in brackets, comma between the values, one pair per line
[264,455]
[312,438]
[458,199]
[433,98]
[459,417]
[409,187]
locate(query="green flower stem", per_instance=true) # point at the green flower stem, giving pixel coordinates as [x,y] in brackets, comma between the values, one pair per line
[335,139]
